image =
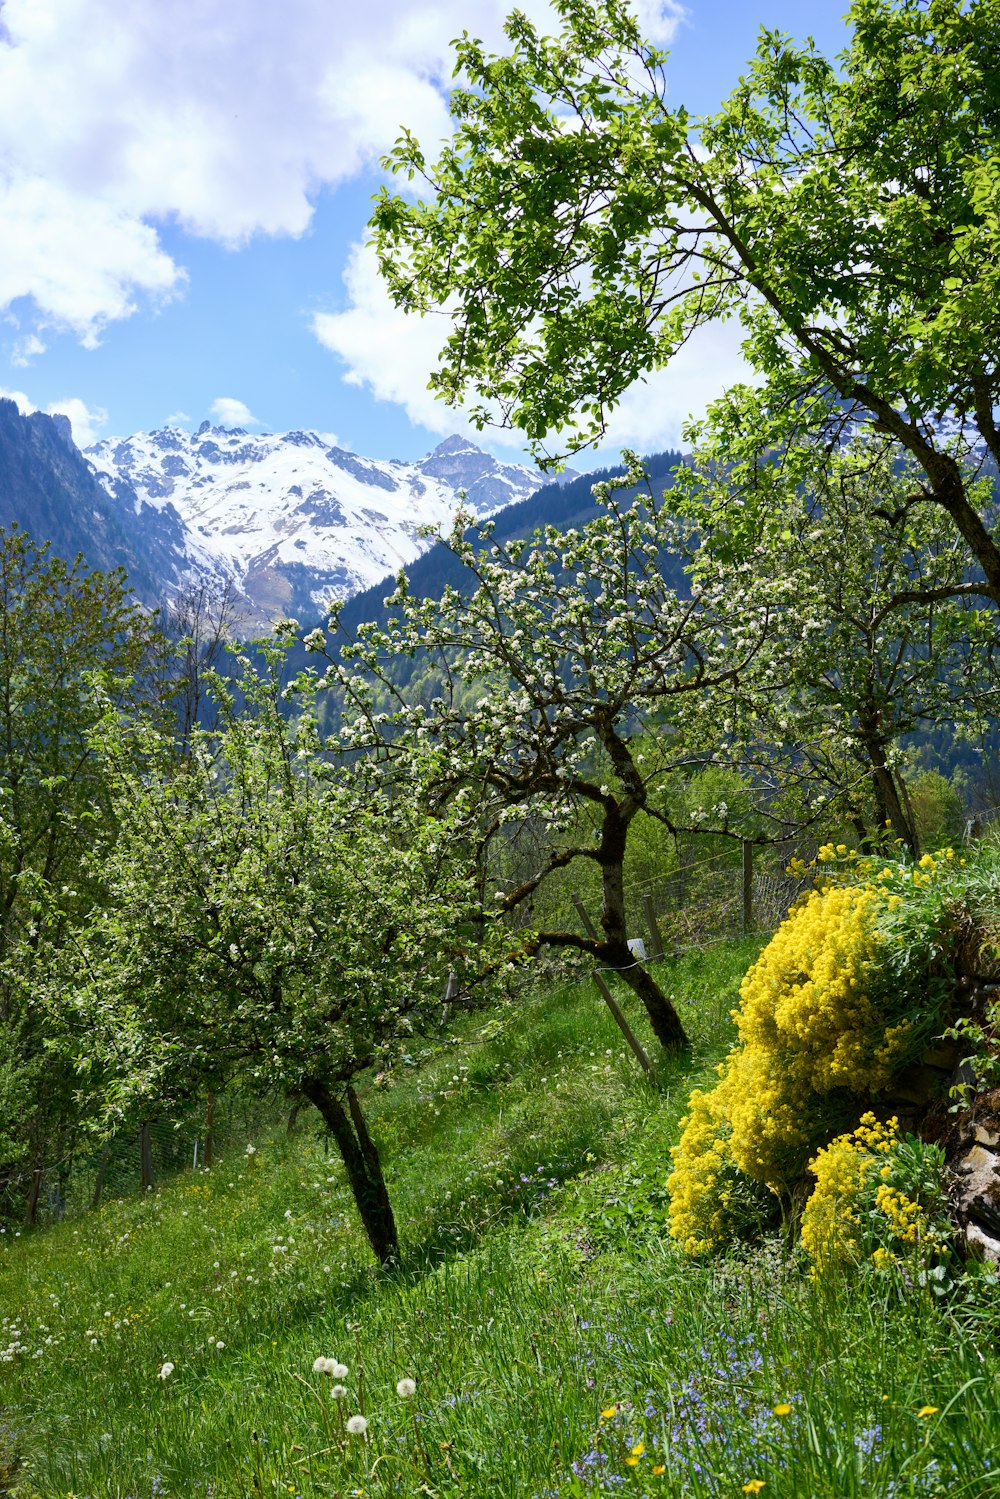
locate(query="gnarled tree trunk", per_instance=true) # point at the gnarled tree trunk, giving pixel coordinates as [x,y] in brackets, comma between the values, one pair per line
[364,1169]
[664,1019]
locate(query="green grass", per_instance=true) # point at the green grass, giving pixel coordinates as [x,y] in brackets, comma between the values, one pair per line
[549,1324]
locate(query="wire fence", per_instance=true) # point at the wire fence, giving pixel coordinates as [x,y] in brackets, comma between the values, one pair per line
[705,899]
[136,1160]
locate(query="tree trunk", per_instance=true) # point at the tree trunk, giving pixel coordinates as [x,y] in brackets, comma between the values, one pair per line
[34,1192]
[663,1017]
[364,1169]
[890,805]
[888,802]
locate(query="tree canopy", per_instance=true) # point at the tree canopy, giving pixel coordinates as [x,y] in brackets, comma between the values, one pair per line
[574,681]
[578,228]
[264,919]
[59,623]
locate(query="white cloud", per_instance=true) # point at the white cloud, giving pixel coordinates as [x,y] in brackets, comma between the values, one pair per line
[386,351]
[227,119]
[392,355]
[26,349]
[21,401]
[177,419]
[229,412]
[85,420]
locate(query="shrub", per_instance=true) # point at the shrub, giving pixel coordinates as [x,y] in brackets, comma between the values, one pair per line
[878,1197]
[850,987]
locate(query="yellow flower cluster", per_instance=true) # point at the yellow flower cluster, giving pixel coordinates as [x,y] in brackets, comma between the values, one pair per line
[906,1218]
[844,1172]
[698,1199]
[831,1219]
[809,1022]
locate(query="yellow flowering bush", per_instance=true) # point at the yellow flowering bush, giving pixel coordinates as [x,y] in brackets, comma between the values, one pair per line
[822,1017]
[877,1197]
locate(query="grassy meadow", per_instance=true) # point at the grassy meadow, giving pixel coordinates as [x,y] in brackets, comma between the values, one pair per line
[559,1342]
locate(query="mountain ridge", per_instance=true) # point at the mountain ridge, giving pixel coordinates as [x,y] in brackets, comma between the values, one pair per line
[290,521]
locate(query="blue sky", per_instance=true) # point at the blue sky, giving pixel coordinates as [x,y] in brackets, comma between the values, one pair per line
[185,186]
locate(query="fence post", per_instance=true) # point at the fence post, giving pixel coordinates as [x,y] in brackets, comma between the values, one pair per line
[206,1154]
[609,998]
[747,887]
[146,1157]
[655,937]
[102,1171]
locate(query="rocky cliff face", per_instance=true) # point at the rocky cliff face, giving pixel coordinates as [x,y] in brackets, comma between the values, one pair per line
[49,489]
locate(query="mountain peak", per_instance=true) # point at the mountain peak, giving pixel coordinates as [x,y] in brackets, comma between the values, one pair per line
[289,520]
[453,445]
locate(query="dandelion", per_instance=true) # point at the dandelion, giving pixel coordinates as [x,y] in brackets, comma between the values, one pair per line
[928,1410]
[357,1426]
[406,1388]
[338,1391]
[784,1409]
[166,1371]
[638,1449]
[754,1486]
[322,1365]
[658,1470]
[612,1410]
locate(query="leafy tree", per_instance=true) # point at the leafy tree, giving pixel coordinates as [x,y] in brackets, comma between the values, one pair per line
[579,229]
[574,682]
[266,919]
[891,635]
[59,622]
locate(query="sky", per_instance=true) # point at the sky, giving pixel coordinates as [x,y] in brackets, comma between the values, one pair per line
[185,186]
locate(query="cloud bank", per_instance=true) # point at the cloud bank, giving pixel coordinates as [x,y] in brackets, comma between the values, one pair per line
[227,120]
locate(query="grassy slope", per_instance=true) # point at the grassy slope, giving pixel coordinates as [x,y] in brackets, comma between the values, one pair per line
[559,1343]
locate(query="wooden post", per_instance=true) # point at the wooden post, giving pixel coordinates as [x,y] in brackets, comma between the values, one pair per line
[655,936]
[102,1171]
[146,1158]
[610,1001]
[747,887]
[206,1154]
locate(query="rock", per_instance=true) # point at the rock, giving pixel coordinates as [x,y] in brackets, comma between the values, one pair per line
[977,1177]
[983,1244]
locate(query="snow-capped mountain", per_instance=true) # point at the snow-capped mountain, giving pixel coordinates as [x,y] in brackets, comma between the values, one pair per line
[290,519]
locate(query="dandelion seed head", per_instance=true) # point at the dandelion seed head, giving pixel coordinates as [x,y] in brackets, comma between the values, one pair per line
[406,1388]
[357,1426]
